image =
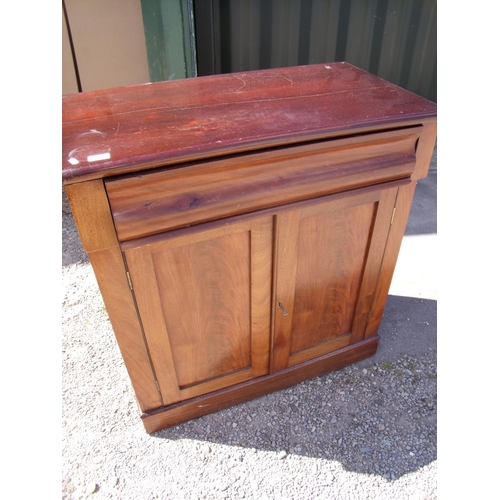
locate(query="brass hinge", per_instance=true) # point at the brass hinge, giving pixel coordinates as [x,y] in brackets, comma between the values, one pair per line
[129,280]
[393,212]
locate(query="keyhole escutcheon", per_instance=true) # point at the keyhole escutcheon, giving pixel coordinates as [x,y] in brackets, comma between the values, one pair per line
[283,310]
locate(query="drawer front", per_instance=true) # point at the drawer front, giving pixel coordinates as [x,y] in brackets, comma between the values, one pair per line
[153,202]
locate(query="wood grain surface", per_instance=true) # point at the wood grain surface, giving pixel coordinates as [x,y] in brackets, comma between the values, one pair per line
[394,240]
[203,303]
[107,132]
[150,203]
[328,260]
[332,249]
[205,293]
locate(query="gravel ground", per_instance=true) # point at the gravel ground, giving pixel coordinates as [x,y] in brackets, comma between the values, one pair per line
[366,431]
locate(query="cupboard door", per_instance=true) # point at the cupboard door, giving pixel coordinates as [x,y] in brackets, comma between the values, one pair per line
[328,257]
[203,300]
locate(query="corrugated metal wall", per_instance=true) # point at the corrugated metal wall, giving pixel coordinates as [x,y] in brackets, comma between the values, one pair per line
[395,39]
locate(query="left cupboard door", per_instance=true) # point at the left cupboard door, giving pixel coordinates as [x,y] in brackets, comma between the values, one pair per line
[204,302]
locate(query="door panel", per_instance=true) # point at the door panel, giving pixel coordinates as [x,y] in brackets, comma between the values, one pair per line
[209,323]
[204,300]
[331,254]
[328,257]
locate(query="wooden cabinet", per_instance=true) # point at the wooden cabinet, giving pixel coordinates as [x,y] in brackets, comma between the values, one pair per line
[243,236]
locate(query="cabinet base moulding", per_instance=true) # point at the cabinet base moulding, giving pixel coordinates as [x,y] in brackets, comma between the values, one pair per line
[169,416]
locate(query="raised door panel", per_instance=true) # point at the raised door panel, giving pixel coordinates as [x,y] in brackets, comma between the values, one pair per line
[204,304]
[328,257]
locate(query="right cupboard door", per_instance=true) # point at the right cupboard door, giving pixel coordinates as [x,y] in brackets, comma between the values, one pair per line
[328,257]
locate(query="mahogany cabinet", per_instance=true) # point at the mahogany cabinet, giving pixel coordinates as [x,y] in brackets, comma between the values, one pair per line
[243,228]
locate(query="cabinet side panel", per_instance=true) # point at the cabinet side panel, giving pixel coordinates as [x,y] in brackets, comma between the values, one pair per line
[111,276]
[396,233]
[378,242]
[92,215]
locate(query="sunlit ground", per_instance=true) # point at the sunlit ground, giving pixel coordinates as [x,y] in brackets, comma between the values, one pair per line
[415,273]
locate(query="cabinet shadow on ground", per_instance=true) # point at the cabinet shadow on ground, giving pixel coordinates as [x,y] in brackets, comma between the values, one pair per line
[365,416]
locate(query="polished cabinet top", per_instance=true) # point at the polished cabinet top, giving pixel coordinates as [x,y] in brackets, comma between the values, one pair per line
[115,131]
